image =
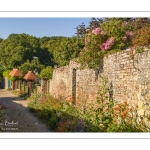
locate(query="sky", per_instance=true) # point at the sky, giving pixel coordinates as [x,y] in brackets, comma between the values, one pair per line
[40,27]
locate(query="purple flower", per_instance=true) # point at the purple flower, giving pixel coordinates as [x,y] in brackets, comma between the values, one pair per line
[129,34]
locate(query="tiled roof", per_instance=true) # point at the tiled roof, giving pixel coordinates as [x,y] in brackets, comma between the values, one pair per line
[15,73]
[30,76]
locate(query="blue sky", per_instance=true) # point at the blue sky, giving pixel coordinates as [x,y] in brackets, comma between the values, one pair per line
[40,27]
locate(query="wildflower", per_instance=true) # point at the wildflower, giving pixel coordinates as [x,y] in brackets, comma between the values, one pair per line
[125,102]
[116,108]
[125,112]
[131,109]
[103,100]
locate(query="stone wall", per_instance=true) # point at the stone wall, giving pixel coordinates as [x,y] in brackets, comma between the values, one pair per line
[127,72]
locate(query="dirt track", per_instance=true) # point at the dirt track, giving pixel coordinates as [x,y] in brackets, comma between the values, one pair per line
[17,116]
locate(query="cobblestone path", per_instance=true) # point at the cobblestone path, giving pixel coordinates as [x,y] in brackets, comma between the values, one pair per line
[17,116]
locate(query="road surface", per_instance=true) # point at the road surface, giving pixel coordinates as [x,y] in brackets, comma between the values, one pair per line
[17,117]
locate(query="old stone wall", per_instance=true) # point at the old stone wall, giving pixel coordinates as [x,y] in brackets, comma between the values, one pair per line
[127,72]
[60,85]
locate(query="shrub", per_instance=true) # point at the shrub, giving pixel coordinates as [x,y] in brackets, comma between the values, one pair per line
[142,37]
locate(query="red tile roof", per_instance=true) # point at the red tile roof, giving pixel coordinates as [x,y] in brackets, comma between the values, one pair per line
[30,76]
[15,73]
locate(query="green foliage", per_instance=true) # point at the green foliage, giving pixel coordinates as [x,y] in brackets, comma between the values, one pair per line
[139,50]
[64,49]
[46,73]
[117,29]
[6,74]
[20,93]
[104,116]
[113,29]
[54,113]
[22,47]
[142,37]
[31,66]
[1,71]
[126,32]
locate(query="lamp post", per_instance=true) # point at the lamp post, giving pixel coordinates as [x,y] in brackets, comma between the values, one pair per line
[36,70]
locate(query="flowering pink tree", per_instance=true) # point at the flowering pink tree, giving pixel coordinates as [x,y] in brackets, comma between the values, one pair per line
[114,34]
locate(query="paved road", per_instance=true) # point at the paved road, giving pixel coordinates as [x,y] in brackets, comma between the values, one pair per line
[17,116]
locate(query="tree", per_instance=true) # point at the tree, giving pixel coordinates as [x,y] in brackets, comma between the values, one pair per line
[18,48]
[6,74]
[64,49]
[31,66]
[113,34]
[46,73]
[1,71]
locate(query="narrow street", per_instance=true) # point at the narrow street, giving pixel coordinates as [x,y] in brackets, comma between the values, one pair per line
[17,116]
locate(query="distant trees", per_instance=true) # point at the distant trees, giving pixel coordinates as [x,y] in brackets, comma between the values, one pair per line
[19,50]
[64,49]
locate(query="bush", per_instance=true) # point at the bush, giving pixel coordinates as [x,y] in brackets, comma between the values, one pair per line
[142,37]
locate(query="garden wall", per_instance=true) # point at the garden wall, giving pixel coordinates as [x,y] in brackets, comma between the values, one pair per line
[128,75]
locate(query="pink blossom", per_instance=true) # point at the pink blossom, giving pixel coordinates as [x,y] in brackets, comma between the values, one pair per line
[110,41]
[96,31]
[105,46]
